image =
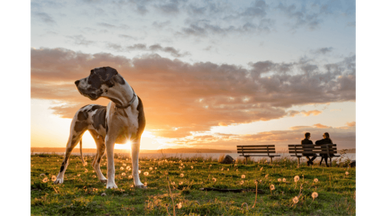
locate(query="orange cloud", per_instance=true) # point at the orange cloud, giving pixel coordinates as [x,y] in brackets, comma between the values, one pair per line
[320,126]
[191,97]
[351,124]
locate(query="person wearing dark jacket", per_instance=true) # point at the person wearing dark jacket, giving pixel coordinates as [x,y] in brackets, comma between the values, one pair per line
[326,140]
[309,145]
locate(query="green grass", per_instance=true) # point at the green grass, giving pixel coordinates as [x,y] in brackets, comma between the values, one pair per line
[82,195]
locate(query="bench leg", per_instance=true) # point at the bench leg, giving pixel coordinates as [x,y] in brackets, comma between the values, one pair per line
[271,160]
[298,162]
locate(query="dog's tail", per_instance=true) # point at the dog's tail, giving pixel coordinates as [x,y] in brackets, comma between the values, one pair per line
[81,153]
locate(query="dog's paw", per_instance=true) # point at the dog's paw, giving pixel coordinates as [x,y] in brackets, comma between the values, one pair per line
[141,186]
[111,186]
[58,181]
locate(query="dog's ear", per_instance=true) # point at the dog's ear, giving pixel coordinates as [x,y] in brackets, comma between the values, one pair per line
[108,73]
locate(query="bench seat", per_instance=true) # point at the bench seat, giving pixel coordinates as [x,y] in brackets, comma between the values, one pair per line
[297,150]
[257,151]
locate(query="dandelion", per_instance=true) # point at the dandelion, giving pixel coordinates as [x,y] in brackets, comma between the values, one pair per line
[145,184]
[123,174]
[94,176]
[272,187]
[151,168]
[128,167]
[214,179]
[122,168]
[181,175]
[295,199]
[314,195]
[130,177]
[284,180]
[296,178]
[179,205]
[316,180]
[182,164]
[279,179]
[155,168]
[346,173]
[85,170]
[124,164]
[53,178]
[42,174]
[242,182]
[191,167]
[85,163]
[132,186]
[242,176]
[181,183]
[79,175]
[173,183]
[139,171]
[146,173]
[103,194]
[45,180]
[228,169]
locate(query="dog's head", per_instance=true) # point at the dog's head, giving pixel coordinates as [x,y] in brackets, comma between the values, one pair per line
[99,82]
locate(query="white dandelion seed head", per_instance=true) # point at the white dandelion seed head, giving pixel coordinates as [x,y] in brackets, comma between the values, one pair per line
[130,177]
[296,178]
[314,195]
[191,167]
[173,183]
[123,174]
[181,183]
[181,175]
[139,171]
[242,176]
[316,180]
[346,173]
[145,184]
[53,178]
[284,180]
[122,168]
[295,199]
[151,168]
[279,179]
[214,179]
[272,187]
[45,180]
[242,182]
[146,173]
[179,205]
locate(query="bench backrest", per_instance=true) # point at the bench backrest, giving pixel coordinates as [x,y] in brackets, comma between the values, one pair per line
[247,149]
[321,149]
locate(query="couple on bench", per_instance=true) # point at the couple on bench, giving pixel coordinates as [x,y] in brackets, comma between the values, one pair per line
[326,140]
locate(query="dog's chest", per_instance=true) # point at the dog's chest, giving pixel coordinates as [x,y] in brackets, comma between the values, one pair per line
[124,125]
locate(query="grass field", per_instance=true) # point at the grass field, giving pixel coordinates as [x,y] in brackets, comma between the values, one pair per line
[173,187]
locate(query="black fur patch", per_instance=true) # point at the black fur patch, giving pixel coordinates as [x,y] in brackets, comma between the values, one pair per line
[61,168]
[82,116]
[99,159]
[99,118]
[80,126]
[141,118]
[119,79]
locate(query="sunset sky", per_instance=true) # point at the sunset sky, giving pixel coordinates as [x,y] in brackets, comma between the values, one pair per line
[211,74]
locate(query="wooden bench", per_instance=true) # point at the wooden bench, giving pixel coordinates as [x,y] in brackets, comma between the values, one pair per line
[299,150]
[257,151]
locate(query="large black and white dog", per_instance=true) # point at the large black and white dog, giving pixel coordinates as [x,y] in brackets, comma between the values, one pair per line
[122,120]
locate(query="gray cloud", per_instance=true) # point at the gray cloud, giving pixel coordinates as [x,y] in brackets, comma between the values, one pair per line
[80,40]
[143,47]
[44,17]
[323,50]
[171,7]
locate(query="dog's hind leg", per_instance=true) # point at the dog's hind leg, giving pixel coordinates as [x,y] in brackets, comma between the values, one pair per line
[78,127]
[100,142]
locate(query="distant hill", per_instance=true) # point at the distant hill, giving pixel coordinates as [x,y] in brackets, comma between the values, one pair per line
[88,150]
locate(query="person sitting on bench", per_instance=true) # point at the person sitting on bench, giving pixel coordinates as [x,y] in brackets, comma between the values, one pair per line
[326,140]
[308,143]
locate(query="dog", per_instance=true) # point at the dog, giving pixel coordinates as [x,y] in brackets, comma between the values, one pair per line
[122,120]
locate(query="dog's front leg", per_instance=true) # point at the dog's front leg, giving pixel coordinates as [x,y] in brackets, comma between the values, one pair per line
[134,159]
[110,163]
